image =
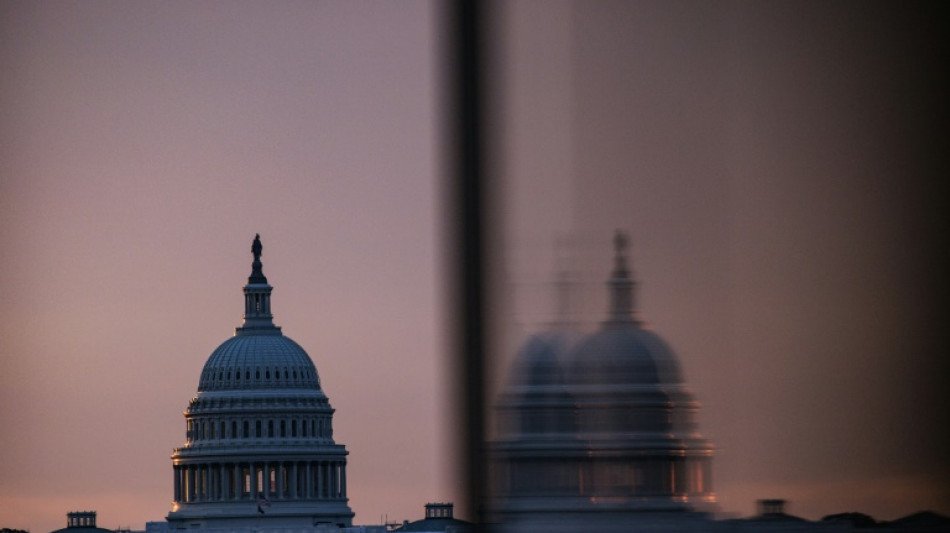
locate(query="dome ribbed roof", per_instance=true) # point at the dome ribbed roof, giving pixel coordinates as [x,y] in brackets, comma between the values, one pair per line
[539,360]
[624,354]
[259,362]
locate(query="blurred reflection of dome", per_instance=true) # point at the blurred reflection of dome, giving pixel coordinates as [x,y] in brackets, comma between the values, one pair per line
[600,429]
[624,354]
[536,401]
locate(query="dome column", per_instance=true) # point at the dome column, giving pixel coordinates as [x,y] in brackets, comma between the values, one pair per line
[235,481]
[323,473]
[308,481]
[318,480]
[317,477]
[335,481]
[267,478]
[342,481]
[183,483]
[324,478]
[296,481]
[212,482]
[209,482]
[196,487]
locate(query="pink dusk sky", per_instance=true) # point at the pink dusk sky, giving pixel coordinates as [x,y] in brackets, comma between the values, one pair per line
[774,166]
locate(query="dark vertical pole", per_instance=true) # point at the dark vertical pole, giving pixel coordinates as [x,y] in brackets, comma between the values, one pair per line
[469,200]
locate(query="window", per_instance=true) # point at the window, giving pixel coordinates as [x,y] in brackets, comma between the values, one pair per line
[270,428]
[293,428]
[283,428]
[258,428]
[247,432]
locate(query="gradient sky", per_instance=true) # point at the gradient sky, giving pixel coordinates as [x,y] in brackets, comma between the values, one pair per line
[772,163]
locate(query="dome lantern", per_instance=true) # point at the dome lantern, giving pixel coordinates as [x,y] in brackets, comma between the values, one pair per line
[258,319]
[621,284]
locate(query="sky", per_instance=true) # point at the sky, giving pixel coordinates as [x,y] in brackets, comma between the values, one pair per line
[774,165]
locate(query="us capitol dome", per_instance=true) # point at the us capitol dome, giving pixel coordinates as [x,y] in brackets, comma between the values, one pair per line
[598,432]
[259,442]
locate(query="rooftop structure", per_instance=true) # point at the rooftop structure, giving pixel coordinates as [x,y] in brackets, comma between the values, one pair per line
[439,519]
[81,522]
